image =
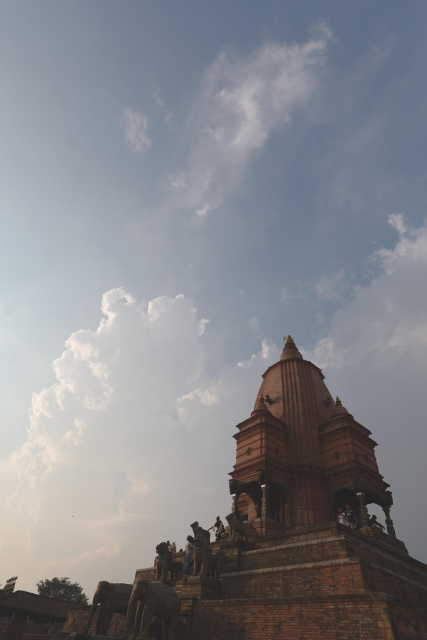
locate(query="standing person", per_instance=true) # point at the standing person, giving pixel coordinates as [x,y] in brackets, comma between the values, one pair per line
[173,547]
[219,528]
[341,517]
[351,516]
[189,547]
[169,544]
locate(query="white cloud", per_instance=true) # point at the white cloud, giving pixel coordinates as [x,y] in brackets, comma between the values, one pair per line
[124,446]
[242,100]
[374,357]
[135,129]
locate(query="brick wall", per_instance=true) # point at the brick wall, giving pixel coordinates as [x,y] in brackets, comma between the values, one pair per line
[298,582]
[377,579]
[400,564]
[76,621]
[408,623]
[295,553]
[333,619]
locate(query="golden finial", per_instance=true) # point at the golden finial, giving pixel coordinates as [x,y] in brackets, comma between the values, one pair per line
[338,402]
[289,342]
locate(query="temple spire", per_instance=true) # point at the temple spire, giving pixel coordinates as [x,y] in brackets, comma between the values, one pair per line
[290,350]
[260,404]
[339,409]
[289,342]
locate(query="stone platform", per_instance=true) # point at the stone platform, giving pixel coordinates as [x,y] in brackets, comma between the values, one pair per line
[323,582]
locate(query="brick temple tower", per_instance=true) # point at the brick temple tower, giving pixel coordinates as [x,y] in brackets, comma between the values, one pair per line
[301,455]
[293,572]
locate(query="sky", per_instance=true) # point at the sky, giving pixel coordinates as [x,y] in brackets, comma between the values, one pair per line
[181,185]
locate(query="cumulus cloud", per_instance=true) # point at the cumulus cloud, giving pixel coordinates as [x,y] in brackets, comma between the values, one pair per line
[135,130]
[374,357]
[242,100]
[124,446]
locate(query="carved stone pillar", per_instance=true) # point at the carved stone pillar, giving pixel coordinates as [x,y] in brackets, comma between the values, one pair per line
[389,522]
[234,503]
[363,510]
[264,501]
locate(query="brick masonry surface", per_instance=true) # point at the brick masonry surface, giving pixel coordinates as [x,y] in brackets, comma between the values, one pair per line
[333,619]
[76,621]
[324,583]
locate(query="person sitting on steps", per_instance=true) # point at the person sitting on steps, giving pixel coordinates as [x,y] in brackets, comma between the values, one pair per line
[372,522]
[219,528]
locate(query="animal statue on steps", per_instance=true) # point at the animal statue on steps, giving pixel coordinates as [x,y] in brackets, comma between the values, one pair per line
[109,598]
[149,599]
[202,555]
[165,563]
[197,529]
[216,567]
[237,526]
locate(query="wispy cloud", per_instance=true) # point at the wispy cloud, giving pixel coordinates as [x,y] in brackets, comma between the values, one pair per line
[167,115]
[330,286]
[135,129]
[242,100]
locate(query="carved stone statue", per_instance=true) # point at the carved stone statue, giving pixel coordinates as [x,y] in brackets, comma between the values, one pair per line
[165,563]
[197,529]
[110,598]
[236,525]
[202,556]
[149,599]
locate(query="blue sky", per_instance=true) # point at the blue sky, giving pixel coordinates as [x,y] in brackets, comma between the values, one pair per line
[264,161]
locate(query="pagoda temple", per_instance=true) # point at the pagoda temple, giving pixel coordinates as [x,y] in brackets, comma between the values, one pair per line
[286,569]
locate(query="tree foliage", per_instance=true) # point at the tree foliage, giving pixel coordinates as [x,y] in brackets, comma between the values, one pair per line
[62,588]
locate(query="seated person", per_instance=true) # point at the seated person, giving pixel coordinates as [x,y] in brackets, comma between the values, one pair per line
[372,522]
[219,528]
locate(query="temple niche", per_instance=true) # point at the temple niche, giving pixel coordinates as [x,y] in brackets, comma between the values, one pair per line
[286,568]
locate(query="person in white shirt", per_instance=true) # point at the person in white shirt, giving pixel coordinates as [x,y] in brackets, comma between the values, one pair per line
[341,517]
[189,547]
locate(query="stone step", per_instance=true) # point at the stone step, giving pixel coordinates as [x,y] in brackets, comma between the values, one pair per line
[290,553]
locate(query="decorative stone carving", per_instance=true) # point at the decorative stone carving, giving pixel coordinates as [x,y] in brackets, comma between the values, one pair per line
[110,598]
[149,599]
[165,563]
[197,529]
[264,502]
[362,509]
[389,522]
[233,486]
[202,556]
[236,526]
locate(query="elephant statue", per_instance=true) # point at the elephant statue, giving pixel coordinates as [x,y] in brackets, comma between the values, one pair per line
[202,556]
[236,525]
[149,599]
[111,598]
[165,563]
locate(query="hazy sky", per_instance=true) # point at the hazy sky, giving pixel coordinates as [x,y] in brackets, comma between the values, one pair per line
[183,184]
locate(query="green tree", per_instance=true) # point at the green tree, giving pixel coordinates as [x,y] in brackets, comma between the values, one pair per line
[62,588]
